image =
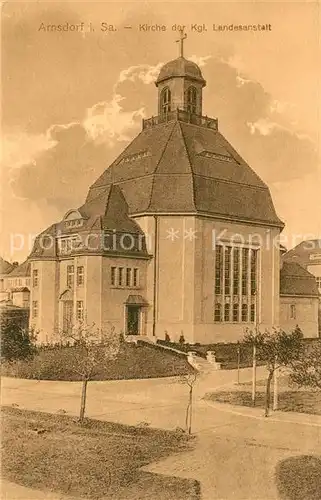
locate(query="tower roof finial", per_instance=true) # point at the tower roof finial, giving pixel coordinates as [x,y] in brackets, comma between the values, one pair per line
[182,37]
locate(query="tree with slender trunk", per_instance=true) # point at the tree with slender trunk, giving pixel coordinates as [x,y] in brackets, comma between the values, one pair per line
[91,348]
[190,381]
[276,349]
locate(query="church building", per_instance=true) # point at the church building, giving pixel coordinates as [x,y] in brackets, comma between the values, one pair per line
[178,236]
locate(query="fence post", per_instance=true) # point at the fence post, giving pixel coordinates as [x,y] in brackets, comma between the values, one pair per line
[238,361]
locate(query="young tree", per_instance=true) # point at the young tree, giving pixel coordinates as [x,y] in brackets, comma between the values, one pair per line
[91,347]
[189,380]
[307,370]
[276,349]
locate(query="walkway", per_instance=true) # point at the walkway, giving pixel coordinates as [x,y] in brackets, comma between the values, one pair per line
[11,491]
[237,451]
[158,402]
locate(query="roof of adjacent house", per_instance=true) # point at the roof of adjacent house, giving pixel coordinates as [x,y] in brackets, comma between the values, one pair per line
[178,167]
[295,280]
[22,270]
[5,266]
[307,253]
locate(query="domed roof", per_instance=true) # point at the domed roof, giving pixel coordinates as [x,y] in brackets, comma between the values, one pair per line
[180,67]
[179,167]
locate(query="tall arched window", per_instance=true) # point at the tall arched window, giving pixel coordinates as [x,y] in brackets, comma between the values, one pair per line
[165,101]
[191,100]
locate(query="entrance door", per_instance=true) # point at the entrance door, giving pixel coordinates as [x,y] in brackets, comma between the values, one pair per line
[67,315]
[133,321]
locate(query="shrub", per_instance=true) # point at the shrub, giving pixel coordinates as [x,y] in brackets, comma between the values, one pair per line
[306,371]
[133,362]
[182,339]
[17,342]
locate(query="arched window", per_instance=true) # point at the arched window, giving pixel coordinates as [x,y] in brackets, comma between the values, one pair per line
[191,99]
[165,101]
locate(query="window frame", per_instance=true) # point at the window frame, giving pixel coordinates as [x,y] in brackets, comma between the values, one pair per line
[293,311]
[35,309]
[80,276]
[165,101]
[135,282]
[120,279]
[128,276]
[70,275]
[79,310]
[35,278]
[191,99]
[236,282]
[113,275]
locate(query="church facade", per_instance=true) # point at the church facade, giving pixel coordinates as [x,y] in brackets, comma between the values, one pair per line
[179,236]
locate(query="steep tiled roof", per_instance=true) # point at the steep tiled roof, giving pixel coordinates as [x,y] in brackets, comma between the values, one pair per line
[104,214]
[113,211]
[45,246]
[22,270]
[307,252]
[180,167]
[5,266]
[295,280]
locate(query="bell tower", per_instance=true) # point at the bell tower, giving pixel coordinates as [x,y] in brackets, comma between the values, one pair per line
[180,83]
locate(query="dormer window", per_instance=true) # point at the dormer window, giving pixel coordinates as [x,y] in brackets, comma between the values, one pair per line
[74,223]
[165,101]
[191,100]
[73,219]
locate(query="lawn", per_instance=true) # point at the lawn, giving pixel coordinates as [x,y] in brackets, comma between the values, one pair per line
[290,398]
[96,460]
[229,354]
[133,362]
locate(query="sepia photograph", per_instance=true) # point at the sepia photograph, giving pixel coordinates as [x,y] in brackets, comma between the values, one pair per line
[160,260]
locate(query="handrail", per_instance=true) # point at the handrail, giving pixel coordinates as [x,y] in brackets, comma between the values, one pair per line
[181,115]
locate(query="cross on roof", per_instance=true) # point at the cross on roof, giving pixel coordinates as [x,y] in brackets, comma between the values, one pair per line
[183,36]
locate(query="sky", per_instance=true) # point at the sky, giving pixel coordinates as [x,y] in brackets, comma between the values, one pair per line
[72,100]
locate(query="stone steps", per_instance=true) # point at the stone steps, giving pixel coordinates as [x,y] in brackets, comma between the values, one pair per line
[200,364]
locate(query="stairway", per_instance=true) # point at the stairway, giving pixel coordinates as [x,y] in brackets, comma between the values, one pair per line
[202,365]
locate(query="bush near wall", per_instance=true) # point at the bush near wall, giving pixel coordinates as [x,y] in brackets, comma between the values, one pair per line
[133,362]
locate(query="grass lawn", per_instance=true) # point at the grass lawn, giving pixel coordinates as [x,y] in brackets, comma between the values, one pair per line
[299,477]
[133,362]
[290,398]
[96,460]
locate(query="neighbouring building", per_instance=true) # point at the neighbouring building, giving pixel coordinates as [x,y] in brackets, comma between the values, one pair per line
[18,285]
[177,235]
[5,269]
[15,283]
[15,292]
[299,299]
[308,255]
